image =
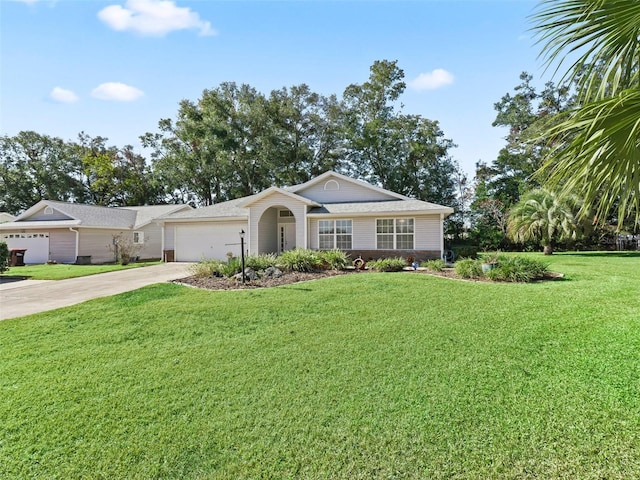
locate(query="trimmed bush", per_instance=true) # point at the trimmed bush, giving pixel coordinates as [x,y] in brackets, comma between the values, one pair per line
[300,260]
[436,265]
[261,261]
[4,257]
[387,264]
[468,268]
[334,259]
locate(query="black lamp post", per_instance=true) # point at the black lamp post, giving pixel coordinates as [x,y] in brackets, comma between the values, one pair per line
[242,252]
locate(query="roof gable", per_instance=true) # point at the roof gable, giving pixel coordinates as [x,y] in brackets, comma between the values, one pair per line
[333,187]
[272,190]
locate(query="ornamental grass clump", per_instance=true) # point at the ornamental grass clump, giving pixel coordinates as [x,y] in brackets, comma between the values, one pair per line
[468,268]
[387,264]
[517,269]
[300,260]
[206,268]
[261,261]
[334,259]
[436,265]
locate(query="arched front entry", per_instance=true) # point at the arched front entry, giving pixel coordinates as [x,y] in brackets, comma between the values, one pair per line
[277,230]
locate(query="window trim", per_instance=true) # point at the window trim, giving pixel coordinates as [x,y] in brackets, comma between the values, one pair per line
[334,234]
[140,237]
[395,233]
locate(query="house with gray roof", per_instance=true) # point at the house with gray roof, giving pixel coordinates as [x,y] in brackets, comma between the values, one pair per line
[329,211]
[67,232]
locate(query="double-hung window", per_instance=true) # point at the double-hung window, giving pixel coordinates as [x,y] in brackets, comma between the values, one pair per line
[395,233]
[138,238]
[335,234]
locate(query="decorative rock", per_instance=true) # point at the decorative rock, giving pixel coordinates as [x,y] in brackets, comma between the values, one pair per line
[250,275]
[272,272]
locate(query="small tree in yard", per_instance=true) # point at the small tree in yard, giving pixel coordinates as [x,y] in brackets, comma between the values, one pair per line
[542,216]
[124,249]
[4,257]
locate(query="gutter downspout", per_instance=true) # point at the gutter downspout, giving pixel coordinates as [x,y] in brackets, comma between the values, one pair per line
[77,241]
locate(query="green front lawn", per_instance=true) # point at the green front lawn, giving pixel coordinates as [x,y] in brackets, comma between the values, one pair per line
[383,375]
[61,271]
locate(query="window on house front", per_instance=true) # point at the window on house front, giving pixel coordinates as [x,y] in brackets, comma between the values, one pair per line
[335,234]
[138,238]
[395,234]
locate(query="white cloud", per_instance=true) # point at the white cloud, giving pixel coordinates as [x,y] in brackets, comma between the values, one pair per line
[432,80]
[153,17]
[63,95]
[116,91]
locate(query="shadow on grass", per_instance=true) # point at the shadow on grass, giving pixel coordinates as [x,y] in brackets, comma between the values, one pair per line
[12,278]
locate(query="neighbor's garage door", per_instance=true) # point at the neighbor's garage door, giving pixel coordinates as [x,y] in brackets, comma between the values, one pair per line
[37,245]
[207,240]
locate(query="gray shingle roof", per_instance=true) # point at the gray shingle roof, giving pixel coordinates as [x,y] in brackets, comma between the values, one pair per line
[391,206]
[94,216]
[219,210]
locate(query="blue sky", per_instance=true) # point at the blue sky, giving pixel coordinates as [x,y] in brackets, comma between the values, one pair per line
[115,68]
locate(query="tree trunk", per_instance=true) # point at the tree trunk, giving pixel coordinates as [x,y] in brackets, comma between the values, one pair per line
[548,250]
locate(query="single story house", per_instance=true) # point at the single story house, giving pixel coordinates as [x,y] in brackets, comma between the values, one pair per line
[67,232]
[329,211]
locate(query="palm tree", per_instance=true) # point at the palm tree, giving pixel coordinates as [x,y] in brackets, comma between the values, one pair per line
[544,217]
[596,148]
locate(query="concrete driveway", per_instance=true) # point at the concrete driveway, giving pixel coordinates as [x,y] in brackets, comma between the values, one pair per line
[33,296]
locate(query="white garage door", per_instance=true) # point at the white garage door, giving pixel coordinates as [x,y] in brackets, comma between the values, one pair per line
[37,245]
[208,240]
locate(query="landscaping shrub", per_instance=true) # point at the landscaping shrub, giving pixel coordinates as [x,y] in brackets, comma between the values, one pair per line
[517,269]
[4,257]
[334,259]
[300,260]
[206,268]
[261,261]
[468,268]
[232,266]
[436,265]
[387,264]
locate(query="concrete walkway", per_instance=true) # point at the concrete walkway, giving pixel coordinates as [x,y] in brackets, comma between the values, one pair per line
[33,296]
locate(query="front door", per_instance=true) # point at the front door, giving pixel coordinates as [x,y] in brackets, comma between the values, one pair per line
[287,236]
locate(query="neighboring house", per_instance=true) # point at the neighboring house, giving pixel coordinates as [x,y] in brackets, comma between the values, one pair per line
[6,217]
[62,232]
[329,211]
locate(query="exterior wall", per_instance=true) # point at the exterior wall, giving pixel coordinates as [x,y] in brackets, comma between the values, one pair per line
[169,236]
[152,241]
[40,215]
[346,192]
[427,234]
[276,200]
[268,228]
[96,242]
[62,246]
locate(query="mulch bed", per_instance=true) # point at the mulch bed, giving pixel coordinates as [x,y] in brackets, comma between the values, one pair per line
[288,278]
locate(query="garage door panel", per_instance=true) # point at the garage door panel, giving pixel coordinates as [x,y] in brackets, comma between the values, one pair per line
[36,244]
[207,240]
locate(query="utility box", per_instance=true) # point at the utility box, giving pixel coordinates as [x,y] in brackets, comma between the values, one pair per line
[16,257]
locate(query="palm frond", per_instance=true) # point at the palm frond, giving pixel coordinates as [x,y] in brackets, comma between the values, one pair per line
[597,155]
[602,36]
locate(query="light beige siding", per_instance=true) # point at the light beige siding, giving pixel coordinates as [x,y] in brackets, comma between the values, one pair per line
[338,190]
[62,246]
[152,241]
[276,200]
[169,236]
[427,234]
[97,242]
[55,215]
